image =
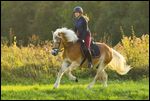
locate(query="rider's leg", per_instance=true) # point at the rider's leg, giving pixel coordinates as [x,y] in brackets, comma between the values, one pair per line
[88,51]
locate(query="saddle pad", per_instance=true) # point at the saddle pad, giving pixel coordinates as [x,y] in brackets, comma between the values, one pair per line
[94,50]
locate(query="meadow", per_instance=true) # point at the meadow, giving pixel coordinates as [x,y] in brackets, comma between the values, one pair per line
[70,90]
[30,72]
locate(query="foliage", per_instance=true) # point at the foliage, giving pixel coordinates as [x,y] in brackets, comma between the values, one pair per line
[136,51]
[24,62]
[42,17]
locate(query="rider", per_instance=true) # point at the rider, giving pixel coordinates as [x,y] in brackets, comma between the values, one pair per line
[82,31]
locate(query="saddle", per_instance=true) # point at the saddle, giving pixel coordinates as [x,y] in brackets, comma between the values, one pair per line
[95,52]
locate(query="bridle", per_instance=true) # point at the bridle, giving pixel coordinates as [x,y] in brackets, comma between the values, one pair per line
[56,50]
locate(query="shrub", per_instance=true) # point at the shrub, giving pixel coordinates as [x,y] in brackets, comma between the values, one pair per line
[136,51]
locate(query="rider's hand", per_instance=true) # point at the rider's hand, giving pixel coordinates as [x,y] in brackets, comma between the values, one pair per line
[83,41]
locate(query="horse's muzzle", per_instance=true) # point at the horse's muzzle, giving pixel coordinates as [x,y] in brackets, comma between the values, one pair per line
[54,52]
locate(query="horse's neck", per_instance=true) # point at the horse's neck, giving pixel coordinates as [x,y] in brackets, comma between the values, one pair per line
[72,51]
[70,45]
[67,44]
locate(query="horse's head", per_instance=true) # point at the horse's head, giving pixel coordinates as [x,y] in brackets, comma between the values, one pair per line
[61,37]
[57,44]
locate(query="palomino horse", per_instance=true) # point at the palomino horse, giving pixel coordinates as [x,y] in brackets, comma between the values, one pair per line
[72,57]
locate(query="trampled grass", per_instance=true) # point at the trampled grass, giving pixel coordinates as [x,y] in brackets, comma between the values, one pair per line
[70,90]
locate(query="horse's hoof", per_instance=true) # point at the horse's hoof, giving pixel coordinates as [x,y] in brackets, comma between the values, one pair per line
[55,86]
[105,85]
[88,87]
[76,80]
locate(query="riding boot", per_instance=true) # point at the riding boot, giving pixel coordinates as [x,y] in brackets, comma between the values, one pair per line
[89,57]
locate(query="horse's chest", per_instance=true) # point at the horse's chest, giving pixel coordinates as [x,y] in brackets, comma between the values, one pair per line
[66,56]
[70,56]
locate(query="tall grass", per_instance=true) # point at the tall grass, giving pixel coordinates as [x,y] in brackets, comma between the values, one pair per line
[36,62]
[29,62]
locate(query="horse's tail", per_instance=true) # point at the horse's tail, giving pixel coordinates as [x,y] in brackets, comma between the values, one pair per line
[118,63]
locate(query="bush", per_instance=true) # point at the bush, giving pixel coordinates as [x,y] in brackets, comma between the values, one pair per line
[136,51]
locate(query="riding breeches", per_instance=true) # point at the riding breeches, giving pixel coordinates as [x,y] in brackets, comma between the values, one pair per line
[88,40]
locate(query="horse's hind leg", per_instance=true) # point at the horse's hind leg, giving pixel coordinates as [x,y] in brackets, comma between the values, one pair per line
[99,70]
[60,73]
[103,77]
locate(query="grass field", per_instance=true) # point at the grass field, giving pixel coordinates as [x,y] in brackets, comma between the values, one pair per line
[70,90]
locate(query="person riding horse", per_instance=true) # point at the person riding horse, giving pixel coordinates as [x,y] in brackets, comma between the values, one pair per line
[82,31]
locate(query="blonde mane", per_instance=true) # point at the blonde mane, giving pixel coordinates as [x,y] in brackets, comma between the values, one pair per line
[69,34]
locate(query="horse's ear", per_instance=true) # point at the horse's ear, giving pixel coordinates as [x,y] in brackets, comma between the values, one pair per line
[52,32]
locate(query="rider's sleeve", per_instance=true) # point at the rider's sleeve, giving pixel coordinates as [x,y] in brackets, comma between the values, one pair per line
[75,29]
[83,28]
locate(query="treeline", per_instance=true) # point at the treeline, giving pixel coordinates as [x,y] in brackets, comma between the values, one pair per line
[39,18]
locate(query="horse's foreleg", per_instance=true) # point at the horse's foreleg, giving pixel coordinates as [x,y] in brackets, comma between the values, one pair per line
[60,73]
[71,77]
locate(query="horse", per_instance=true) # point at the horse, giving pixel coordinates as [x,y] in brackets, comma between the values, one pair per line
[66,39]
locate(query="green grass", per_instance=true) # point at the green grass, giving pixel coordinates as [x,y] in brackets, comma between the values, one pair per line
[70,90]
